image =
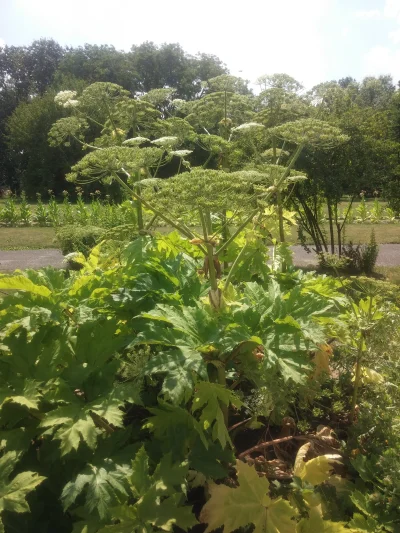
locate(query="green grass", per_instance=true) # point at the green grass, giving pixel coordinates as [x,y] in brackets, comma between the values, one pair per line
[361,233]
[391,274]
[36,237]
[30,238]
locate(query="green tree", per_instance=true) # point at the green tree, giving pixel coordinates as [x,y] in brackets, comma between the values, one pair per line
[36,166]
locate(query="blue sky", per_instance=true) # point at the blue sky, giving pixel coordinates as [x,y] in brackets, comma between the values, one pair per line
[312,40]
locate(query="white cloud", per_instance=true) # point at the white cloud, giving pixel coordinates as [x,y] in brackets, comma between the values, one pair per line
[369,14]
[392,9]
[394,36]
[382,60]
[2,42]
[285,36]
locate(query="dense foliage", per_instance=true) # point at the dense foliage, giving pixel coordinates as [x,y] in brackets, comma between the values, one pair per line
[193,379]
[126,397]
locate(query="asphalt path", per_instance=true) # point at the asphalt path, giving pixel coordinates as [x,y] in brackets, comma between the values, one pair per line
[389,255]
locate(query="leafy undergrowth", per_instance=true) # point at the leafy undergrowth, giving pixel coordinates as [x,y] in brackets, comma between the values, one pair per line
[128,403]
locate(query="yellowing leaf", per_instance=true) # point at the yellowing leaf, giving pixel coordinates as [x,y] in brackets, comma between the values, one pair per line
[300,462]
[80,282]
[321,361]
[368,375]
[94,257]
[21,283]
[314,471]
[248,504]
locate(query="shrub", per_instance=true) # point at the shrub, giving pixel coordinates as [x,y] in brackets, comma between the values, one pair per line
[333,262]
[355,259]
[363,257]
[391,194]
[78,239]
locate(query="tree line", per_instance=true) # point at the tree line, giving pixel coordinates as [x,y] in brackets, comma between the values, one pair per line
[30,76]
[210,103]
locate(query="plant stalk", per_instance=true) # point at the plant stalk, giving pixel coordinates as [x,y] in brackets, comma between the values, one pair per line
[186,232]
[233,267]
[222,381]
[357,378]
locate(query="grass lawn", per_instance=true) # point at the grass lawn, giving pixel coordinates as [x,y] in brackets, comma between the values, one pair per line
[391,274]
[361,233]
[36,237]
[27,238]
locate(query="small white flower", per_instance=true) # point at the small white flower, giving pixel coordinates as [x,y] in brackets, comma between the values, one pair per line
[63,97]
[166,141]
[135,141]
[71,103]
[74,257]
[248,126]
[178,103]
[181,153]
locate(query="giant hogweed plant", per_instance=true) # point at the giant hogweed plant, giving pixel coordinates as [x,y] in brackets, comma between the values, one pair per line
[200,193]
[119,385]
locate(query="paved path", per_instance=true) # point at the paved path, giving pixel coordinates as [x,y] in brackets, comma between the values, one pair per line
[11,260]
[389,255]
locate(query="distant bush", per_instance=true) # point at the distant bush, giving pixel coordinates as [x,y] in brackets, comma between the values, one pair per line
[391,194]
[355,259]
[79,239]
[363,257]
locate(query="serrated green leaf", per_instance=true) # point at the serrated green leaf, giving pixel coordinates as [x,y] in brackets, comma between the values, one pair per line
[360,523]
[75,425]
[13,493]
[105,484]
[140,478]
[160,497]
[22,283]
[207,398]
[165,514]
[29,397]
[360,500]
[249,503]
[175,427]
[180,369]
[315,523]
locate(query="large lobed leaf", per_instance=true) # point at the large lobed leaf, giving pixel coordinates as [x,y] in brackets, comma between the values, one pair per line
[249,503]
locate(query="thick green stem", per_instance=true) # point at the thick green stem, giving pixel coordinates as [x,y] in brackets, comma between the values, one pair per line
[222,381]
[239,230]
[210,253]
[291,164]
[158,165]
[153,219]
[274,149]
[186,232]
[225,234]
[139,210]
[357,378]
[207,160]
[280,216]
[207,216]
[233,267]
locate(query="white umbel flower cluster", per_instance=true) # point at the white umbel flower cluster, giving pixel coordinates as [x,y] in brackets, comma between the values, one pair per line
[135,141]
[181,153]
[166,141]
[66,99]
[248,126]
